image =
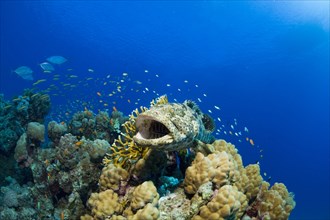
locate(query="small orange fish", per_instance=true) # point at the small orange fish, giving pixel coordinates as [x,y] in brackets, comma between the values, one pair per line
[88,113]
[251,142]
[99,94]
[114,108]
[62,123]
[62,215]
[79,143]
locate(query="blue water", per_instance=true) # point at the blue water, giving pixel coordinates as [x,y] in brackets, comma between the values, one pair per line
[266,64]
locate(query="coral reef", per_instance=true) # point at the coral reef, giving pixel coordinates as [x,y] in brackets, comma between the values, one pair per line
[217,168]
[39,105]
[15,115]
[124,150]
[61,171]
[114,178]
[16,201]
[36,131]
[56,131]
[159,163]
[228,203]
[10,128]
[99,126]
[273,203]
[196,180]
[104,204]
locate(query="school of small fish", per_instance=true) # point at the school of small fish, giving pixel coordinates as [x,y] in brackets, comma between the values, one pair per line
[124,90]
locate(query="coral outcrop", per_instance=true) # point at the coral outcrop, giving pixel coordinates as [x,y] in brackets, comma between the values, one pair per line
[96,126]
[114,178]
[162,163]
[209,180]
[228,203]
[104,204]
[15,115]
[218,168]
[36,131]
[56,131]
[16,201]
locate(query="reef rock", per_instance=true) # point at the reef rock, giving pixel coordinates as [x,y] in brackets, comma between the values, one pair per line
[36,131]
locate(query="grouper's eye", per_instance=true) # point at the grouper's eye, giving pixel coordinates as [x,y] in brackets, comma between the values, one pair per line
[152,129]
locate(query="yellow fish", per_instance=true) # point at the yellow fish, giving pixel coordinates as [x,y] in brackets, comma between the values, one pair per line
[21,108]
[6,107]
[34,95]
[39,81]
[17,99]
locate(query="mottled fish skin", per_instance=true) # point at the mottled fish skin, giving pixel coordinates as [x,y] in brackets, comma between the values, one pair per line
[169,127]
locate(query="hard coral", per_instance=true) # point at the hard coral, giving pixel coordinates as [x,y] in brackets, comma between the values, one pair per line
[216,184]
[39,105]
[96,126]
[96,149]
[149,212]
[254,181]
[125,152]
[276,203]
[229,203]
[36,131]
[104,204]
[56,130]
[149,167]
[113,178]
[144,194]
[219,168]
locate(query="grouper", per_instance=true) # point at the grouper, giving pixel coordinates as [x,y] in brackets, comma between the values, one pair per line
[173,126]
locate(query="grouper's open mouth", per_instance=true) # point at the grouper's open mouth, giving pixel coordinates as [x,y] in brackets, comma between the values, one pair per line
[150,128]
